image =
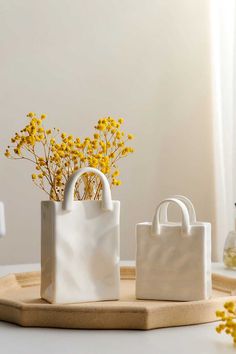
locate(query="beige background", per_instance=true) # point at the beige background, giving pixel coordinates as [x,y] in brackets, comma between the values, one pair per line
[147,61]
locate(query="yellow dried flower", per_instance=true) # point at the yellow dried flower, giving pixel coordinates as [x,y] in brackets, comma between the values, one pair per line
[118,135]
[116,173]
[17,151]
[101,127]
[7,153]
[31,114]
[116,182]
[40,137]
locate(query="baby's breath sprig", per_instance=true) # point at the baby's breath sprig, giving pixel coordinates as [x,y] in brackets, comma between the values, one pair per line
[227,317]
[57,155]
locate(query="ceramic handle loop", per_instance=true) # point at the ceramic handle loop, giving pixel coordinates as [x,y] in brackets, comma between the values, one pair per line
[189,205]
[70,187]
[156,226]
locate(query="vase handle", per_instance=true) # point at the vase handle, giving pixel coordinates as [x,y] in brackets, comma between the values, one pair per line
[189,205]
[156,225]
[70,186]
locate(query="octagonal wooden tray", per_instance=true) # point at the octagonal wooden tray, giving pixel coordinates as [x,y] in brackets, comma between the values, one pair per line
[20,303]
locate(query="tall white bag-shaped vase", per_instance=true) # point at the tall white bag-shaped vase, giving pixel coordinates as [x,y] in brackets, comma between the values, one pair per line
[173,260]
[80,246]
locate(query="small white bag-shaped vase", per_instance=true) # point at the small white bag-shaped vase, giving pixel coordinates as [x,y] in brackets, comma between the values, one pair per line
[173,260]
[80,246]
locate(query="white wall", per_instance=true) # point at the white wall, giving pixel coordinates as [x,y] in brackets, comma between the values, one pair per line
[75,60]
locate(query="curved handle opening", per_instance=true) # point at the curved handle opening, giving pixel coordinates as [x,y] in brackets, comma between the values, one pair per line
[67,203]
[156,225]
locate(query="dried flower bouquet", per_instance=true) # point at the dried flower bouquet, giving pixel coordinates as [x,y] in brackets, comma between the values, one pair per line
[57,155]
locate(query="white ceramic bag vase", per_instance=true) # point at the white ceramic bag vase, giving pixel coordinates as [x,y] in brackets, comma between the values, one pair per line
[80,246]
[173,260]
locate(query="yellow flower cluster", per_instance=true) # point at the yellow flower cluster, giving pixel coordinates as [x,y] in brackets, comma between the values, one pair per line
[227,317]
[57,155]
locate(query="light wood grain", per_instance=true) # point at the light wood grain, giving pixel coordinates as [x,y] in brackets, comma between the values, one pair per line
[20,303]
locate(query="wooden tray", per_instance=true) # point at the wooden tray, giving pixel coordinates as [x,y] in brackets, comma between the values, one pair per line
[20,303]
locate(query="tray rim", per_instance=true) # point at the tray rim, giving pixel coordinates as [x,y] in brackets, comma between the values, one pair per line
[27,279]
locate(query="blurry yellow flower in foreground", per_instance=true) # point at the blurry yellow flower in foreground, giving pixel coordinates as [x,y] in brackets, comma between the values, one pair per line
[227,317]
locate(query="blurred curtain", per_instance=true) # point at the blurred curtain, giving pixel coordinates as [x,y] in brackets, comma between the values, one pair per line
[223,47]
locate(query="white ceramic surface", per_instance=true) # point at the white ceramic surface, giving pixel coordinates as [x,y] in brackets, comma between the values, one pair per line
[173,260]
[80,247]
[2,220]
